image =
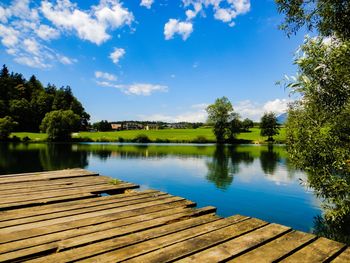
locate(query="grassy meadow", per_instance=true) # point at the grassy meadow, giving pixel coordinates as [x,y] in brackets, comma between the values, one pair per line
[166,135]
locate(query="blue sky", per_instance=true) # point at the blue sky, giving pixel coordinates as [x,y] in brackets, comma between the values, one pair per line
[153,60]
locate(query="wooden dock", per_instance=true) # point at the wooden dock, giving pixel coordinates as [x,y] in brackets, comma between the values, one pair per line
[63,216]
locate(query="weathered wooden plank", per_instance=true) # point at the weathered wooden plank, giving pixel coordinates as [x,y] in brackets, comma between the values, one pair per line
[58,207]
[54,182]
[205,241]
[102,226]
[72,170]
[53,221]
[48,200]
[124,241]
[47,176]
[52,193]
[81,210]
[277,248]
[160,242]
[234,246]
[318,251]
[8,203]
[38,189]
[119,228]
[92,218]
[344,257]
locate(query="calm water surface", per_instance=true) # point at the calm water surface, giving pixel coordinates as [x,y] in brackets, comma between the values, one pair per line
[250,180]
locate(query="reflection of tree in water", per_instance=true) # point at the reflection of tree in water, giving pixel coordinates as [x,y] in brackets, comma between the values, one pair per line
[40,157]
[11,155]
[224,164]
[269,160]
[62,156]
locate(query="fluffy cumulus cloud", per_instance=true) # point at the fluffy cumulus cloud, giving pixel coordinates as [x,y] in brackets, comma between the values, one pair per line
[91,25]
[146,3]
[105,76]
[117,54]
[254,111]
[223,10]
[27,28]
[174,26]
[195,113]
[143,89]
[105,79]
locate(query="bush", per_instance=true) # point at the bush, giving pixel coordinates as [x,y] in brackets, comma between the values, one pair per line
[7,125]
[141,138]
[26,139]
[121,139]
[60,124]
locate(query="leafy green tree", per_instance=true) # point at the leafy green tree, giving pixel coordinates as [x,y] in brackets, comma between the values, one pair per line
[234,126]
[247,124]
[269,126]
[60,124]
[7,126]
[22,113]
[328,17]
[27,102]
[318,125]
[218,115]
[102,126]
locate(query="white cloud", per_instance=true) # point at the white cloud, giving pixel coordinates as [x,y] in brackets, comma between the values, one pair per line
[143,89]
[117,54]
[23,35]
[174,26]
[254,111]
[105,75]
[196,113]
[9,36]
[91,25]
[46,32]
[224,14]
[146,3]
[32,61]
[277,106]
[223,10]
[138,89]
[66,60]
[31,46]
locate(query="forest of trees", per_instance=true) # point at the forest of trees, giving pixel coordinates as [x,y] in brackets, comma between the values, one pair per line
[28,101]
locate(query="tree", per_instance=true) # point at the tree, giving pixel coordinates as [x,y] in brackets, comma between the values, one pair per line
[218,115]
[318,125]
[7,125]
[269,125]
[102,126]
[60,124]
[328,17]
[234,126]
[247,124]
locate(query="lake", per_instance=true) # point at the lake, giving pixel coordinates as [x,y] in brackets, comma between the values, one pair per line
[251,180]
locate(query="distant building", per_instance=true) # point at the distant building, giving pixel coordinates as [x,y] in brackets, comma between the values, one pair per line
[116,126]
[177,125]
[151,127]
[132,126]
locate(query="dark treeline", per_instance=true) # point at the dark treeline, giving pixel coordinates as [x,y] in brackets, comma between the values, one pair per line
[27,101]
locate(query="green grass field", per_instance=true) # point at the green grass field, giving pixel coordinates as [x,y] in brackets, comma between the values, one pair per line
[166,135]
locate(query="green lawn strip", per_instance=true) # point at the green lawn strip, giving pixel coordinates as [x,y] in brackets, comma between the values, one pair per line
[166,135]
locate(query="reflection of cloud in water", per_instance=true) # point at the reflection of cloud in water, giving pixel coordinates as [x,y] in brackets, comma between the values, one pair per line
[281,175]
[193,166]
